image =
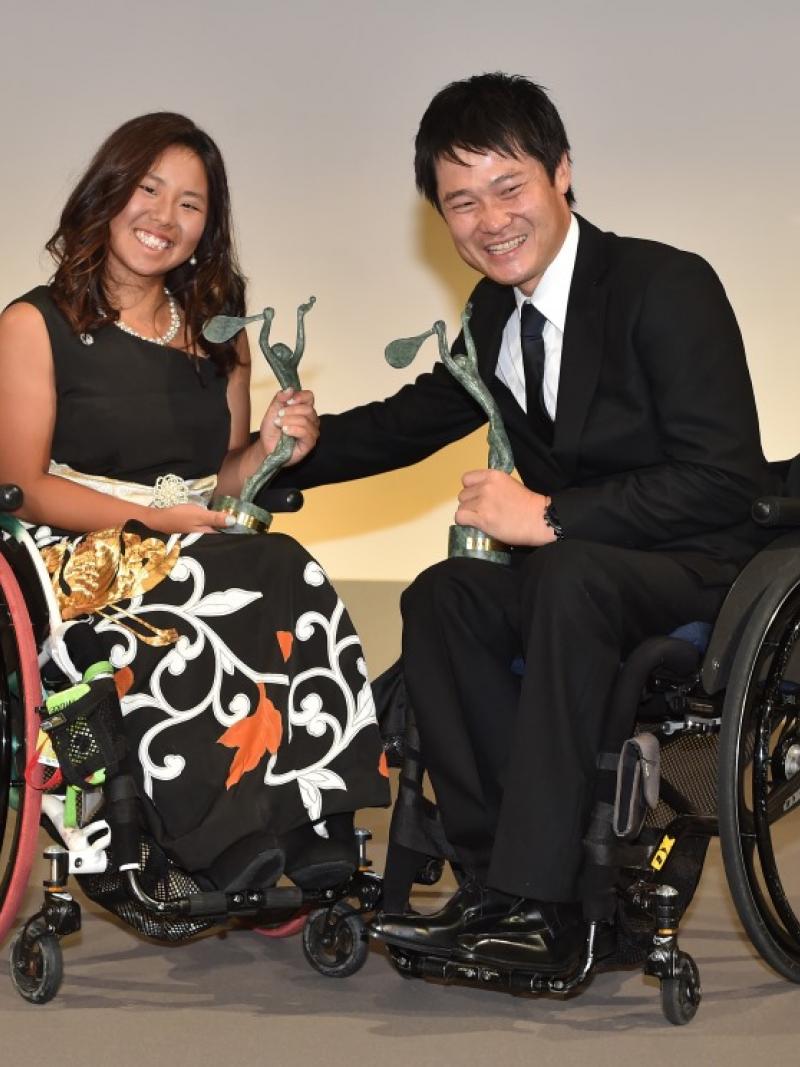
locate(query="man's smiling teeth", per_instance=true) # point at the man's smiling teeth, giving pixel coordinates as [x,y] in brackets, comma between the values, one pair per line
[149,240]
[505,246]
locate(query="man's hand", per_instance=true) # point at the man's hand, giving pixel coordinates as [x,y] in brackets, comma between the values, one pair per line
[503,508]
[292,412]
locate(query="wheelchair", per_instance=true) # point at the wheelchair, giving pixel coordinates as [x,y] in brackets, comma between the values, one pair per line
[104,843]
[703,739]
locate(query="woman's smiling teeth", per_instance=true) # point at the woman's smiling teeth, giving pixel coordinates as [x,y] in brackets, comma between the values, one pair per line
[149,240]
[505,246]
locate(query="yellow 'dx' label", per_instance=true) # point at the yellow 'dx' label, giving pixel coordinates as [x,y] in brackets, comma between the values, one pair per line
[662,852]
[44,746]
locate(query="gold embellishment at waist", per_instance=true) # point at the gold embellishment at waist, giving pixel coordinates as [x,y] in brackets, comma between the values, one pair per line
[170,489]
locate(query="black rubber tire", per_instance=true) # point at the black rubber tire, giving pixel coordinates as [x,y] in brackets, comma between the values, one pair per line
[778,608]
[37,967]
[349,949]
[680,996]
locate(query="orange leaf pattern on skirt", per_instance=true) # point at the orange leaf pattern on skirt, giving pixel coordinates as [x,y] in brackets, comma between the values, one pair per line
[383,765]
[285,641]
[259,733]
[123,680]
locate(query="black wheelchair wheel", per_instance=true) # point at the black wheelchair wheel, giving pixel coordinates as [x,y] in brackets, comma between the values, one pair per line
[759,778]
[680,996]
[334,941]
[20,695]
[36,966]
[431,871]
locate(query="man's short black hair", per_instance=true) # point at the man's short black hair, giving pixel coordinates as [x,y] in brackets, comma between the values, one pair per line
[504,113]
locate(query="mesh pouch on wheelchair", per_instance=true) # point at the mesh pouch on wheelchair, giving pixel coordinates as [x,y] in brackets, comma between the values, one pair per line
[84,725]
[160,879]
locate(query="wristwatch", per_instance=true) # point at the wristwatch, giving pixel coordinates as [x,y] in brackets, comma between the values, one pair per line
[551,520]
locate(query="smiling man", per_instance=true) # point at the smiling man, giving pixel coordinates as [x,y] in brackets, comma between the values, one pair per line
[619,370]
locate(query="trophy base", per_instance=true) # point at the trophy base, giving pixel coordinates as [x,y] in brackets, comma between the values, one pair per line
[250,519]
[473,543]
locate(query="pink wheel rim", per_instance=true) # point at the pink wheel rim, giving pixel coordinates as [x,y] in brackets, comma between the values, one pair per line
[287,929]
[32,798]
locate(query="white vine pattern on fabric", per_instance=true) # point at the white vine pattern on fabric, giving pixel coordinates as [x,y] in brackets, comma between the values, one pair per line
[193,612]
[309,713]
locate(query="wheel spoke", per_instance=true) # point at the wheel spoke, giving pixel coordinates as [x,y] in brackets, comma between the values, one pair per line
[758,779]
[768,797]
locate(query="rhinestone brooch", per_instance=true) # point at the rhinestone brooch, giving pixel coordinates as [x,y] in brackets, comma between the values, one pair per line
[169,491]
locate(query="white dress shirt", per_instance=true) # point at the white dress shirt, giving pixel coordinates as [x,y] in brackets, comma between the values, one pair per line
[550,298]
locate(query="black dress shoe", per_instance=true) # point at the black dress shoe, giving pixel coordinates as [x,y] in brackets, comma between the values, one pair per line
[536,936]
[472,906]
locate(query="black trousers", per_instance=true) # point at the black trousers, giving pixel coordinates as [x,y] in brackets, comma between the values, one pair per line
[512,760]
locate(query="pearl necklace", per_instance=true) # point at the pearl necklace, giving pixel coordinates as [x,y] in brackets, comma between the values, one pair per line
[172,329]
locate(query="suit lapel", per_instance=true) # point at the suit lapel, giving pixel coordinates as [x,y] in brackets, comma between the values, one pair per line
[582,350]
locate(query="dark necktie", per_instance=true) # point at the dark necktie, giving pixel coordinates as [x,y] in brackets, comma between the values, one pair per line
[531,325]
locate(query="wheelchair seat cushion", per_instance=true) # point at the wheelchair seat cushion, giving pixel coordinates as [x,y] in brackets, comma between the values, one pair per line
[695,633]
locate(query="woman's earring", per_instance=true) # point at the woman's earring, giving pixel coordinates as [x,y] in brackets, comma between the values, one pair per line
[192,260]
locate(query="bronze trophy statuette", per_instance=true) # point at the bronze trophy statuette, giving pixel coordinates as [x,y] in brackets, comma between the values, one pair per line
[250,518]
[465,540]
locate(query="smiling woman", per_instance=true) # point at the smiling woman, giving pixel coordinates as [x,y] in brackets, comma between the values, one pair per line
[247,711]
[152,210]
[158,229]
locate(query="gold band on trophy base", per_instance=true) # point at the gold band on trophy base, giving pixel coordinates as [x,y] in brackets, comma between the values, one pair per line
[472,543]
[250,519]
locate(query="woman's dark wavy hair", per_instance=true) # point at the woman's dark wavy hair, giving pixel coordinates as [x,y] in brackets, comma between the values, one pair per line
[503,113]
[215,286]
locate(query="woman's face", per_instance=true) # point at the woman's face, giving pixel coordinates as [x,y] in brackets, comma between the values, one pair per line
[162,223]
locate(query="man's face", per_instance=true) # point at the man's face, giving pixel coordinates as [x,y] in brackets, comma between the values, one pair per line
[506,218]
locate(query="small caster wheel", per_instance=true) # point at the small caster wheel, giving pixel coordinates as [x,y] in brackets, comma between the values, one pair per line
[680,996]
[336,949]
[37,966]
[430,872]
[402,962]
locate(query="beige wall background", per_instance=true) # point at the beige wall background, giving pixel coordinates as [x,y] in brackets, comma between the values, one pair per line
[683,119]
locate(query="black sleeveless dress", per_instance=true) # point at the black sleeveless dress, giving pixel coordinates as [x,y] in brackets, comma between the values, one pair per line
[256,717]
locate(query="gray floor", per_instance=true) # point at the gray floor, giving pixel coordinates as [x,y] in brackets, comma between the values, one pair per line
[238,998]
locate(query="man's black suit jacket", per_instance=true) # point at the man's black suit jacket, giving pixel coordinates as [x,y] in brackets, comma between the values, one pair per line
[656,443]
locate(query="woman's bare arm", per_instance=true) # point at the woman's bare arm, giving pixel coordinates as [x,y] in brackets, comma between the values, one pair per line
[27,418]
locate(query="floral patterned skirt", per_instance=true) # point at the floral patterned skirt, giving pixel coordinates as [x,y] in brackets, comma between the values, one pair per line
[245,696]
